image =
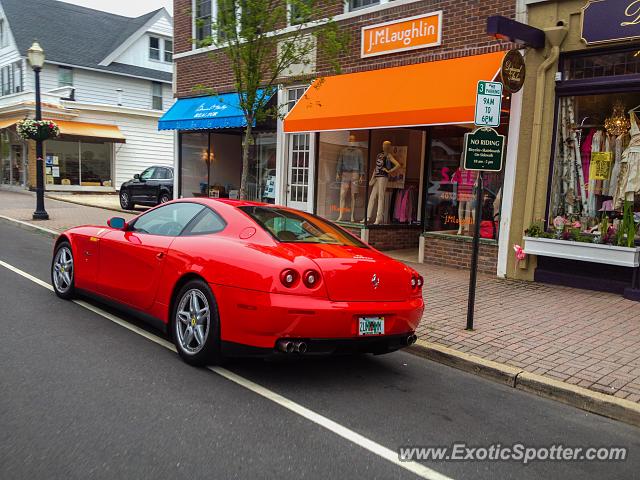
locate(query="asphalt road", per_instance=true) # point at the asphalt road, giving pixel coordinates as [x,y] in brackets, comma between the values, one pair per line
[82,397]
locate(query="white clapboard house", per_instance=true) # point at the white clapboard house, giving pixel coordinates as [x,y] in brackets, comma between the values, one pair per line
[106,80]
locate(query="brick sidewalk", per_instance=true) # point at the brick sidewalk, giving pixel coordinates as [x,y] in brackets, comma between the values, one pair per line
[586,338]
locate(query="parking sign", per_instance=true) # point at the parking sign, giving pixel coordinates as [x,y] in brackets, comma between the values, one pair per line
[488,104]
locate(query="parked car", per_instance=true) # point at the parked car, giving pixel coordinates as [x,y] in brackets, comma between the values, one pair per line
[227,277]
[151,187]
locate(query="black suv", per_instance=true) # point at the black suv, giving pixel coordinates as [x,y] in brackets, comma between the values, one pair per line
[151,187]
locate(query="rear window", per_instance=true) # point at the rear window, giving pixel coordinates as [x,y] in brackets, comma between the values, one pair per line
[299,227]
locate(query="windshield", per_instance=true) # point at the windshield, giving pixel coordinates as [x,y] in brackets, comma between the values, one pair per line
[299,227]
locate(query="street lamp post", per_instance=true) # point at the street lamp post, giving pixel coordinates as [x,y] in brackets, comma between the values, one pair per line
[35,54]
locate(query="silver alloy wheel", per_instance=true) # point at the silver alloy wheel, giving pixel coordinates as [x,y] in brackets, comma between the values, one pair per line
[63,270]
[124,199]
[164,198]
[193,321]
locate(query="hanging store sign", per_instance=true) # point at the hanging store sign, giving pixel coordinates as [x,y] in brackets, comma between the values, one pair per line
[488,104]
[411,33]
[610,21]
[512,71]
[483,150]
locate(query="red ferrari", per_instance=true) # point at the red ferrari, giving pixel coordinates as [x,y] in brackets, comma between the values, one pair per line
[226,277]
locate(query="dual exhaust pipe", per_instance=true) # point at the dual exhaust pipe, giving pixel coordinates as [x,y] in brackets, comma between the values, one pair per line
[289,346]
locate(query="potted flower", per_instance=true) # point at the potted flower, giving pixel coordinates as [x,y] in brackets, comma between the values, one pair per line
[570,242]
[29,129]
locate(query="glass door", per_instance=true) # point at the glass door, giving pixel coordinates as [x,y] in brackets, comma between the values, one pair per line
[299,188]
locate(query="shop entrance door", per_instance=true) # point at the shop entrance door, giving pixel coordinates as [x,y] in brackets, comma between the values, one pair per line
[300,172]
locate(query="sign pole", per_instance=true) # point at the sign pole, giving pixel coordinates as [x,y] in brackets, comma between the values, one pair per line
[476,250]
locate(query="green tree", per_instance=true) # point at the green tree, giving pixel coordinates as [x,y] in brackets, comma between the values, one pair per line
[267,43]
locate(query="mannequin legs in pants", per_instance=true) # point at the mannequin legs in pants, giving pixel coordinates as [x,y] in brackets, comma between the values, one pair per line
[378,190]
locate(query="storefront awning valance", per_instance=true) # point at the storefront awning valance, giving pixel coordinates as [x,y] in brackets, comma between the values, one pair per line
[203,113]
[94,130]
[8,122]
[432,93]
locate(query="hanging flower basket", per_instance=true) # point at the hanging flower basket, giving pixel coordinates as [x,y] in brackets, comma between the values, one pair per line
[29,129]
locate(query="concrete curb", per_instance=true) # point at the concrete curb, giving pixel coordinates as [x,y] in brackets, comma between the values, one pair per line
[30,226]
[579,397]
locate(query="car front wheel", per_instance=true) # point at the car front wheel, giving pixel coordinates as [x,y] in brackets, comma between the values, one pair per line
[62,271]
[196,324]
[125,200]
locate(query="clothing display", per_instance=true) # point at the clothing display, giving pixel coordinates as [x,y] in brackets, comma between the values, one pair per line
[382,162]
[465,180]
[378,190]
[629,177]
[350,159]
[405,205]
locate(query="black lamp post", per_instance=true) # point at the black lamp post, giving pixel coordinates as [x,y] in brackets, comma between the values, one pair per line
[35,54]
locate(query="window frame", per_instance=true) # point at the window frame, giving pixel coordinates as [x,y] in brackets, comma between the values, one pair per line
[358,243]
[350,8]
[165,50]
[213,13]
[3,33]
[155,97]
[131,226]
[68,71]
[188,229]
[153,49]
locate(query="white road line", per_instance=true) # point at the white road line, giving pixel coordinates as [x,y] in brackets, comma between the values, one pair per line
[418,469]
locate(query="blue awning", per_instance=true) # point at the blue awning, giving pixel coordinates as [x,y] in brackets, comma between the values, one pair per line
[202,113]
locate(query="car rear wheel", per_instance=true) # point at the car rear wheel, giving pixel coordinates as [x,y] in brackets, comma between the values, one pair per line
[164,197]
[62,271]
[125,200]
[196,324]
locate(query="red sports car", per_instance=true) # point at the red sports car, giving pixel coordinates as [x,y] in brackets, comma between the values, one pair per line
[226,277]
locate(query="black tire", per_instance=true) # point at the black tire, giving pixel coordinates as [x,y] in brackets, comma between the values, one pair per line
[63,276]
[125,200]
[164,197]
[194,353]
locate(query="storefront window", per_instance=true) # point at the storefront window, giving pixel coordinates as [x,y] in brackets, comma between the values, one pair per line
[592,176]
[262,184]
[193,171]
[342,175]
[450,188]
[12,163]
[395,163]
[83,163]
[211,164]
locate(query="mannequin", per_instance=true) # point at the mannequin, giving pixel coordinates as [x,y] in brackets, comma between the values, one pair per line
[350,174]
[466,204]
[385,165]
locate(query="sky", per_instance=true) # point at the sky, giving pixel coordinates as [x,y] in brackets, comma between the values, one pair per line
[128,8]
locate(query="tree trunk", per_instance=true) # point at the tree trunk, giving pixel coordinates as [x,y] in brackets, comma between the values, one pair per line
[246,146]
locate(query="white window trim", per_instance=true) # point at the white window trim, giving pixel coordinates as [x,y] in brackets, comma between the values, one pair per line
[154,96]
[384,5]
[161,50]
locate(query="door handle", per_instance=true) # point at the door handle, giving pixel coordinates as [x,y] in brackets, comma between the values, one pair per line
[160,255]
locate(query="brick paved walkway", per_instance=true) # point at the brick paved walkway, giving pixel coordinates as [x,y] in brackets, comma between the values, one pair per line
[586,338]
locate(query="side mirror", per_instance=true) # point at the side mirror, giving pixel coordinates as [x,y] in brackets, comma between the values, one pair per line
[136,176]
[118,223]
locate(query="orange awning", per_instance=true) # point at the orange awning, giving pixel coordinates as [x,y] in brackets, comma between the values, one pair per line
[8,122]
[94,130]
[432,93]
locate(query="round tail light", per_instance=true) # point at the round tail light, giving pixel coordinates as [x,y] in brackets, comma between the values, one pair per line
[414,281]
[311,278]
[289,277]
[420,281]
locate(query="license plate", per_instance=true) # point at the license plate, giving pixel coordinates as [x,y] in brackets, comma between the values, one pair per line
[371,326]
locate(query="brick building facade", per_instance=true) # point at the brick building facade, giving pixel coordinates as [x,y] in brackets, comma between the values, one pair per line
[427,196]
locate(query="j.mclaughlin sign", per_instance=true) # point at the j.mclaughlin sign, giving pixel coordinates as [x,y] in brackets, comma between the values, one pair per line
[421,31]
[606,21]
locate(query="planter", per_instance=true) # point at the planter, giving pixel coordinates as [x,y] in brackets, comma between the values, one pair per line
[583,252]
